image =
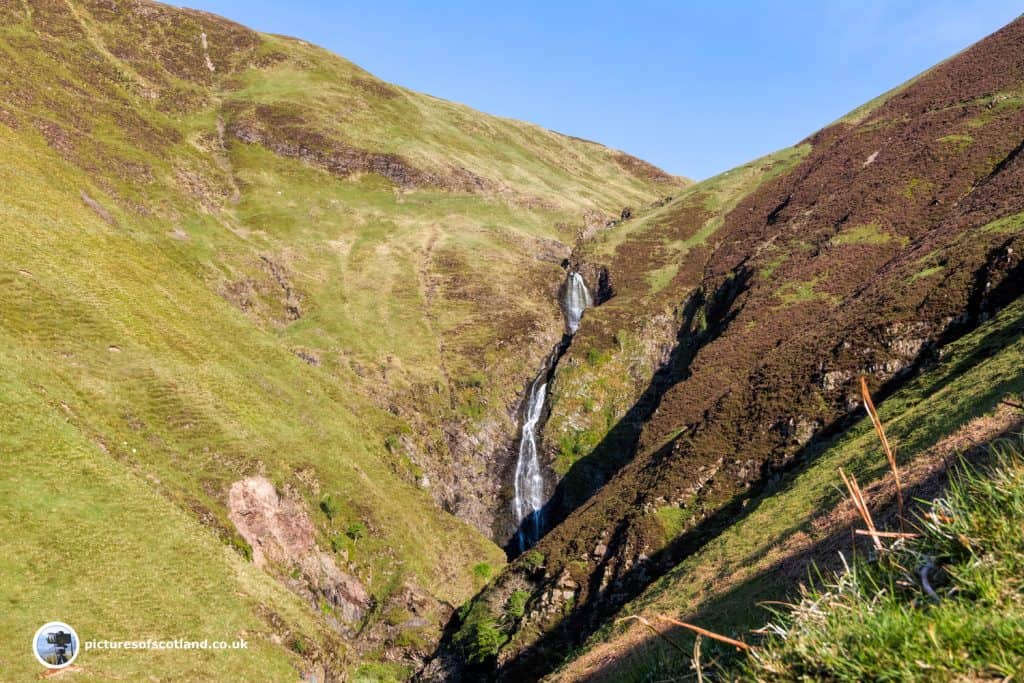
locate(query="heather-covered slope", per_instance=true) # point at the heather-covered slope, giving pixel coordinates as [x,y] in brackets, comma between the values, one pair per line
[249,294]
[954,409]
[745,309]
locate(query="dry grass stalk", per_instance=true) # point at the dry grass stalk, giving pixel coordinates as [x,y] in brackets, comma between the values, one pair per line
[862,507]
[877,422]
[704,632]
[696,659]
[788,605]
[886,534]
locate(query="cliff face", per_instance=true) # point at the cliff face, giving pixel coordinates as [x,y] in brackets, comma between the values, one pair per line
[744,311]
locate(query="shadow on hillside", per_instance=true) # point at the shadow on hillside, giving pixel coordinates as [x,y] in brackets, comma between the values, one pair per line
[579,623]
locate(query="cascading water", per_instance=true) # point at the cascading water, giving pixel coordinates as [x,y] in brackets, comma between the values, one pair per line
[528,504]
[575,300]
[529,484]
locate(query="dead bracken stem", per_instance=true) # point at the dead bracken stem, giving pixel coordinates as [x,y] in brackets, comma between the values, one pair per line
[870,405]
[696,629]
[862,507]
[704,632]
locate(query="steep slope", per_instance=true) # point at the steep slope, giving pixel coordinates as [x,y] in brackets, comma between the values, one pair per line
[745,309]
[272,300]
[947,411]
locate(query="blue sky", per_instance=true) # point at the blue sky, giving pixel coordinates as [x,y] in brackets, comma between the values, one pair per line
[695,88]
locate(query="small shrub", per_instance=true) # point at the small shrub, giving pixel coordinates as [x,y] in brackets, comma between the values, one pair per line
[516,606]
[473,380]
[329,506]
[243,548]
[534,559]
[482,571]
[621,339]
[381,672]
[412,639]
[480,637]
[673,520]
[472,407]
[572,446]
[338,543]
[356,530]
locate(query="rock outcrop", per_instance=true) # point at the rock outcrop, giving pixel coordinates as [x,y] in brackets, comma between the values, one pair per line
[282,536]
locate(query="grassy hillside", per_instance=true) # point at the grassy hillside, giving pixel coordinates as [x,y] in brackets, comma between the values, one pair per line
[229,254]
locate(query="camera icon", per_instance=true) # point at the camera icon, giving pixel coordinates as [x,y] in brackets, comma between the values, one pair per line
[55,645]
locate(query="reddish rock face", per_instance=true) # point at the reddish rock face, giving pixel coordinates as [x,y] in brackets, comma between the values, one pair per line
[281,534]
[278,529]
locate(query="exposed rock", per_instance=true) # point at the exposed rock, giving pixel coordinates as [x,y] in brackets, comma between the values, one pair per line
[593,222]
[282,535]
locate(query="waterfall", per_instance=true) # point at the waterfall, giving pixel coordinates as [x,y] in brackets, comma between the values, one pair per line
[528,504]
[529,483]
[575,300]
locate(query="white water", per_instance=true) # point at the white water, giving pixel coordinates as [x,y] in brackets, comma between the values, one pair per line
[529,484]
[528,503]
[575,300]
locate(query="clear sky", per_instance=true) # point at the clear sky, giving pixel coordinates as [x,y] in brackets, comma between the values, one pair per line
[694,87]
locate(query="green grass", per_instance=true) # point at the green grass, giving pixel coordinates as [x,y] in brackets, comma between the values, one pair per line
[870,233]
[927,272]
[673,519]
[958,142]
[877,621]
[799,292]
[381,672]
[660,278]
[1007,225]
[90,542]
